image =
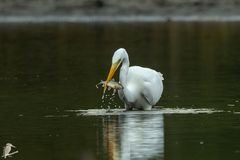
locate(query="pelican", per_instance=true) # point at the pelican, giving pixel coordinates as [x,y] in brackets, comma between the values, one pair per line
[7,149]
[142,87]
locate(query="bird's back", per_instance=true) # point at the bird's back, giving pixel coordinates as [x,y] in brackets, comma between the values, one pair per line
[141,73]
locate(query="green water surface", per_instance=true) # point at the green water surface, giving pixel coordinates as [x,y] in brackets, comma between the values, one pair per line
[46,69]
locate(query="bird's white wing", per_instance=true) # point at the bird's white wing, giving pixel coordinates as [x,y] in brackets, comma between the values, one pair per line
[152,90]
[147,93]
[149,82]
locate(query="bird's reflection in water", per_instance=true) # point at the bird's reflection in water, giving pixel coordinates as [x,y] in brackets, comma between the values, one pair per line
[133,137]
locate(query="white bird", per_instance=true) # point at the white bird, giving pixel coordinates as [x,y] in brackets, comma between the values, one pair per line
[7,150]
[142,87]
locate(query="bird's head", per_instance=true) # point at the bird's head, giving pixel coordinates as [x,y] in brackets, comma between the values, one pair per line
[10,145]
[117,59]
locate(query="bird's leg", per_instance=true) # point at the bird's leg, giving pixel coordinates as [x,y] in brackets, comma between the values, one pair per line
[147,107]
[127,107]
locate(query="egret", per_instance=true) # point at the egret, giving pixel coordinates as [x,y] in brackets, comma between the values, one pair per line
[142,87]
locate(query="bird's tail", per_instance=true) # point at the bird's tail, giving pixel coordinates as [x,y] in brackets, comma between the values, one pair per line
[161,75]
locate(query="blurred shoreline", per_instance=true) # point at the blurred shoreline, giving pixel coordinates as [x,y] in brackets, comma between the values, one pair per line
[118,18]
[118,14]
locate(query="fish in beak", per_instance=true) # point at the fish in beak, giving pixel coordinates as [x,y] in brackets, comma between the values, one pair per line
[111,73]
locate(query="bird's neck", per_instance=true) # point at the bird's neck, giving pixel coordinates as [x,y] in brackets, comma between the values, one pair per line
[124,72]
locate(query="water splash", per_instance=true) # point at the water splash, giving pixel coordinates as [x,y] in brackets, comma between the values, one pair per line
[109,111]
[108,100]
[111,85]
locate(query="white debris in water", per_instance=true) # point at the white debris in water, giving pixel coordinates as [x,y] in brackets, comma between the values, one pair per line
[237,101]
[201,142]
[230,105]
[7,149]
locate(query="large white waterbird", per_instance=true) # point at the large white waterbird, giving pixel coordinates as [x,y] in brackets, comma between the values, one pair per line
[142,87]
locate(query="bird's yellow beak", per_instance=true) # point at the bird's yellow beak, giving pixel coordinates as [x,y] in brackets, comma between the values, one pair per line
[111,74]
